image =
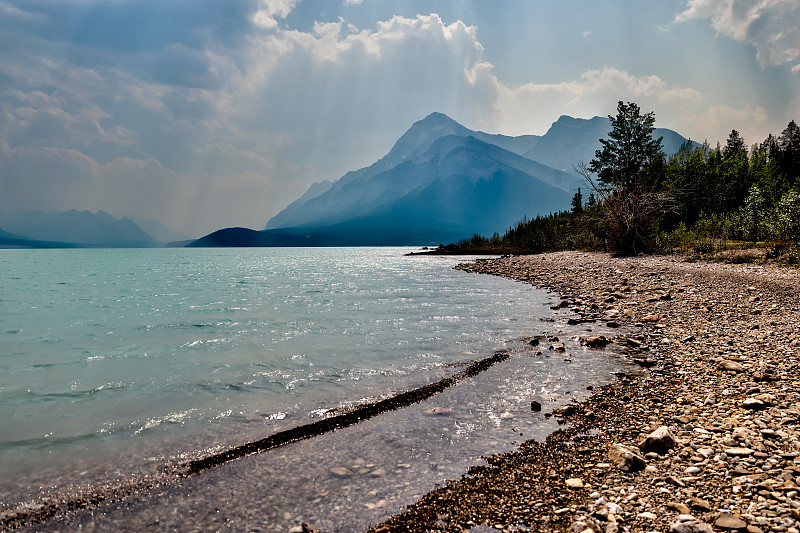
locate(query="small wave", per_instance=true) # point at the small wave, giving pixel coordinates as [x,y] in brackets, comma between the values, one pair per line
[200,342]
[171,418]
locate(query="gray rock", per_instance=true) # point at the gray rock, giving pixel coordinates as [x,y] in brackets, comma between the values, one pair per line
[728,521]
[659,441]
[626,458]
[341,472]
[686,523]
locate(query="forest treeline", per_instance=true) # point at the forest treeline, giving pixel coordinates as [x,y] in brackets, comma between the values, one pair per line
[636,199]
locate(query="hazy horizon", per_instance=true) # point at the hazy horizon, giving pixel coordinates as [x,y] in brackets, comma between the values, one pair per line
[203,115]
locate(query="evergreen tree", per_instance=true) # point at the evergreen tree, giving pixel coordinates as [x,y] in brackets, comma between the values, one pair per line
[631,152]
[630,169]
[577,203]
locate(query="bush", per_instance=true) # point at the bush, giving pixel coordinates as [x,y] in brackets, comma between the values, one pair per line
[752,220]
[786,218]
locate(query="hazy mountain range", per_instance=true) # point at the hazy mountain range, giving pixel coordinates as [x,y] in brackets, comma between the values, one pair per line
[52,229]
[440,182]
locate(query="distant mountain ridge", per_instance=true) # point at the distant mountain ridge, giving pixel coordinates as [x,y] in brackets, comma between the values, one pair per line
[441,182]
[413,143]
[570,141]
[71,229]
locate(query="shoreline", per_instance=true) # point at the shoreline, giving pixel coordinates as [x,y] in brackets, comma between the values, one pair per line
[436,440]
[721,343]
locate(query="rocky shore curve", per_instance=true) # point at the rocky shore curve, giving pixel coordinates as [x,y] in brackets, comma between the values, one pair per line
[707,439]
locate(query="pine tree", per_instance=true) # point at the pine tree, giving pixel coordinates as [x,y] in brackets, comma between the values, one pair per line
[577,203]
[630,152]
[630,171]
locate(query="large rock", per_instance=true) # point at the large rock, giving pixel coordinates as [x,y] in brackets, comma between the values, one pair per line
[626,458]
[659,441]
[728,521]
[686,523]
[596,341]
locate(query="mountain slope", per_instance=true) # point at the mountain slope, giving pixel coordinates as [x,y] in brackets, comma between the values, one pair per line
[440,182]
[412,144]
[385,196]
[77,227]
[570,141]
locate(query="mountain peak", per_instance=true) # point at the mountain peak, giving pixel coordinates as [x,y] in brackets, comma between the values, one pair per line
[436,118]
[422,134]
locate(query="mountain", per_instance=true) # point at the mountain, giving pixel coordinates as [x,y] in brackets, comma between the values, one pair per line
[412,144]
[10,240]
[440,182]
[157,230]
[76,228]
[570,141]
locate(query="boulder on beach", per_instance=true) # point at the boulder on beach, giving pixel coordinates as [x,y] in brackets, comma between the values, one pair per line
[626,458]
[659,441]
[596,341]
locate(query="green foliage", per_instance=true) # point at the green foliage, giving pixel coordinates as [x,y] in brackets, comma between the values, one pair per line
[786,217]
[696,202]
[630,156]
[630,173]
[751,220]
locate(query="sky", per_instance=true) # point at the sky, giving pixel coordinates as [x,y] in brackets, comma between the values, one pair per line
[206,114]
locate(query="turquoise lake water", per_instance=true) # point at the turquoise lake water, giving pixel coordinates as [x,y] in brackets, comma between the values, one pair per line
[111,360]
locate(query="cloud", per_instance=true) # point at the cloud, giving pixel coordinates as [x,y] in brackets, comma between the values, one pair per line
[222,120]
[269,9]
[772,26]
[751,121]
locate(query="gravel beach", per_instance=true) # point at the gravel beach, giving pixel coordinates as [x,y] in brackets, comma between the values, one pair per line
[706,439]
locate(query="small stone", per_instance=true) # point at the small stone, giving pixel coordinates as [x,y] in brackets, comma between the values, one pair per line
[651,318]
[675,481]
[308,528]
[626,458]
[647,515]
[699,505]
[753,404]
[341,471]
[442,411]
[740,471]
[739,452]
[574,483]
[728,521]
[633,343]
[679,507]
[536,406]
[731,366]
[686,523]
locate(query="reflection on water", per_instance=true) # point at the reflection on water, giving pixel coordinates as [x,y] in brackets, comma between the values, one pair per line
[351,478]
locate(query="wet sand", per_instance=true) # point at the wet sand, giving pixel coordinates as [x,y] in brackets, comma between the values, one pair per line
[720,343]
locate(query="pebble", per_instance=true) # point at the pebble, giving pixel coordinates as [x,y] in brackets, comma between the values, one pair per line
[726,387]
